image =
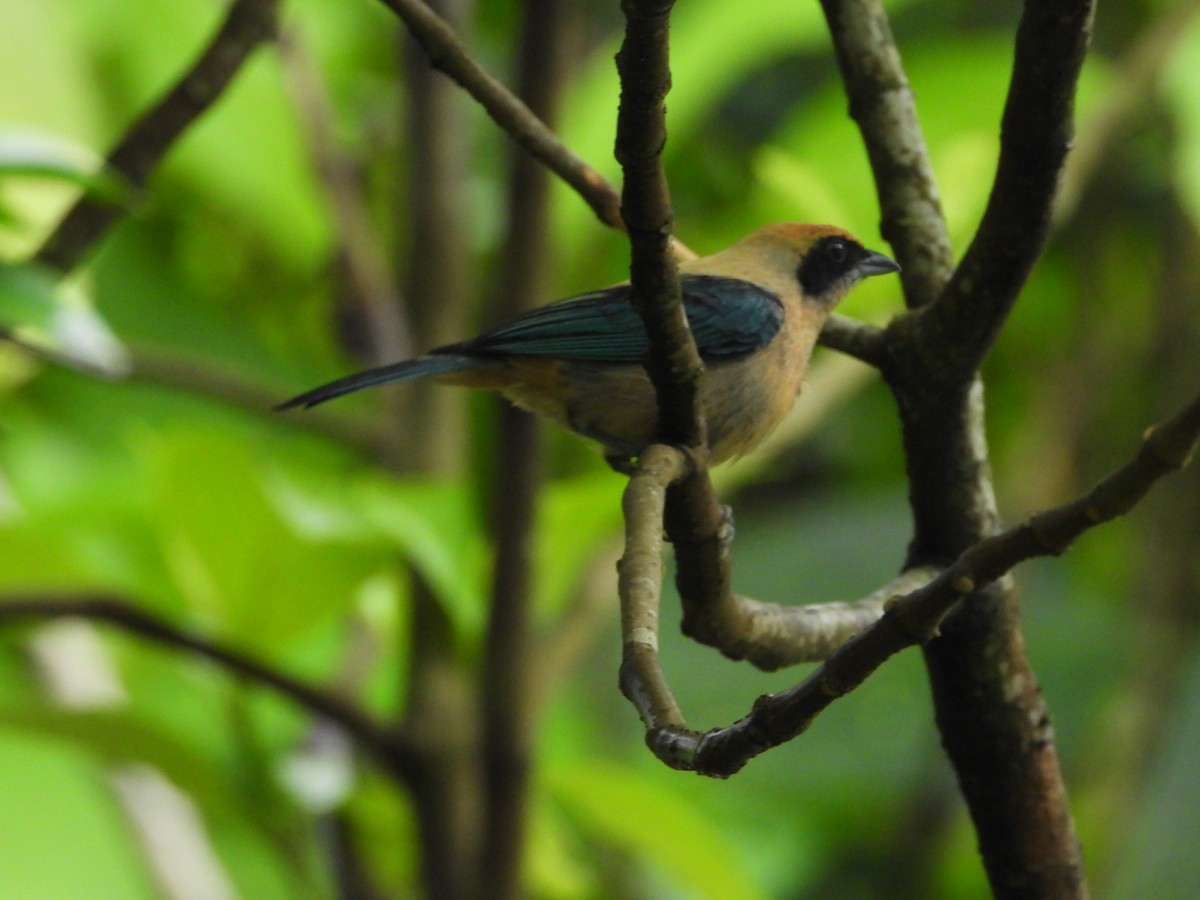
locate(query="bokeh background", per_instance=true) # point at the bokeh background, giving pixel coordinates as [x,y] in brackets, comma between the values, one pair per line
[225,289]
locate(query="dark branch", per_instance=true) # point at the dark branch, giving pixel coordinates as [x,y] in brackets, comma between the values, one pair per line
[858,339]
[915,618]
[882,104]
[1036,133]
[448,53]
[507,691]
[674,362]
[371,736]
[248,24]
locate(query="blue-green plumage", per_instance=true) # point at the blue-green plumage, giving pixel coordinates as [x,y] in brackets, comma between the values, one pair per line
[728,317]
[755,309]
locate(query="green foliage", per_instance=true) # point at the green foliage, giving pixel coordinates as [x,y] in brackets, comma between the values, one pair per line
[197,503]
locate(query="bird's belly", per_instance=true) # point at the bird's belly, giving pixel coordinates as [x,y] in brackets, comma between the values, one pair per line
[743,399]
[743,402]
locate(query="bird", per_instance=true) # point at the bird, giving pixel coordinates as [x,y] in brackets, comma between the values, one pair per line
[755,310]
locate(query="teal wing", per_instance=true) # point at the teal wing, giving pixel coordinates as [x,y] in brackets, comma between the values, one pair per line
[728,317]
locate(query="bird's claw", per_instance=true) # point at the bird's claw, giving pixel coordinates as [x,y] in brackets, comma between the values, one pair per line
[621,463]
[725,530]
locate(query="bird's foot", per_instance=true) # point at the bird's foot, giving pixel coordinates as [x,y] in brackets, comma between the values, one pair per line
[622,463]
[725,530]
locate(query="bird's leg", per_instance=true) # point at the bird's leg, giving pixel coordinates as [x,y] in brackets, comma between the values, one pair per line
[620,462]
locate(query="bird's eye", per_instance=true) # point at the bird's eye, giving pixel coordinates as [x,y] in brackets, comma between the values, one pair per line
[836,250]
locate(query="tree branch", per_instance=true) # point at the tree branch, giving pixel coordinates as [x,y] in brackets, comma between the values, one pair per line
[387,749]
[247,24]
[508,689]
[913,619]
[1036,133]
[772,635]
[448,53]
[857,339]
[882,104]
[673,362]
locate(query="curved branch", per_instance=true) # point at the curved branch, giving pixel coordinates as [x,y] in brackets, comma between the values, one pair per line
[248,24]
[772,635]
[915,618]
[385,746]
[639,583]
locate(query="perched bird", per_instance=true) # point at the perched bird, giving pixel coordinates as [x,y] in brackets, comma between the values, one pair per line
[755,310]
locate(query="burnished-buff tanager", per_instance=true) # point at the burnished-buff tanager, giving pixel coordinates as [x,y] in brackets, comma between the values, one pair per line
[755,310]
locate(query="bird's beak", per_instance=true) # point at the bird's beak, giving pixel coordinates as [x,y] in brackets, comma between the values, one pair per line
[877,264]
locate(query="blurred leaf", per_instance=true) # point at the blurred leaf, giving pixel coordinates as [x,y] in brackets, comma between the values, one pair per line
[654,822]
[575,519]
[1180,80]
[232,553]
[61,828]
[118,736]
[437,526]
[41,156]
[41,312]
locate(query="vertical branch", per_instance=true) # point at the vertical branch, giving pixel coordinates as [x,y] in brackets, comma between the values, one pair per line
[993,720]
[439,699]
[693,519]
[438,253]
[506,691]
[882,103]
[674,363]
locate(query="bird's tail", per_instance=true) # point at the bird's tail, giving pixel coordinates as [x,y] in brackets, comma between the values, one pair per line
[422,367]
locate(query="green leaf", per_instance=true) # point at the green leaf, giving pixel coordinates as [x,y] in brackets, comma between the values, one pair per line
[51,318]
[437,525]
[31,155]
[655,822]
[233,553]
[119,736]
[1179,82]
[576,520]
[61,827]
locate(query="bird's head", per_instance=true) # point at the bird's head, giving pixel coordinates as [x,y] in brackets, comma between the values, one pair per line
[822,262]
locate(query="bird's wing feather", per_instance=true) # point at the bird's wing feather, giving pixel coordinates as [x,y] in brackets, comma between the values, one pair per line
[729,318]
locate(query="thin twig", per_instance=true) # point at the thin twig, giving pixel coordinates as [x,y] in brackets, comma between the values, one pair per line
[247,24]
[448,53]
